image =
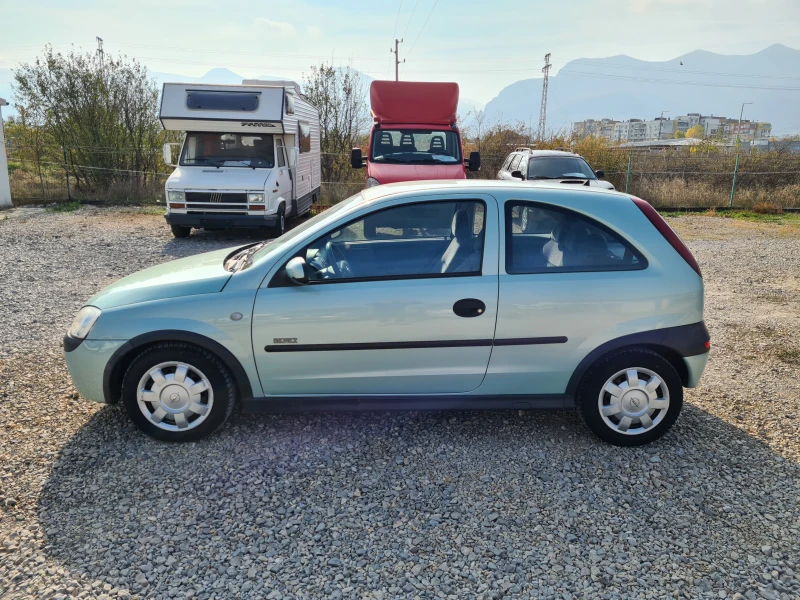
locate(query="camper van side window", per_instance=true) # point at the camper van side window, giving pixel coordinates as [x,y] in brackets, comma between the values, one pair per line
[304,136]
[289,103]
[232,101]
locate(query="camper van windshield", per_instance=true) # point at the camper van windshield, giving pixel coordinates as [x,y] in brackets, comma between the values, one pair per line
[256,151]
[415,146]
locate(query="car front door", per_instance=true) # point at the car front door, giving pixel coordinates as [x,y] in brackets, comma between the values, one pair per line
[283,177]
[402,300]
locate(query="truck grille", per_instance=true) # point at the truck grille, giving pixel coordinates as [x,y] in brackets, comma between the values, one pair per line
[216,197]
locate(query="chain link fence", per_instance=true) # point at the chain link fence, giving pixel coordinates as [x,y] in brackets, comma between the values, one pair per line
[686,179]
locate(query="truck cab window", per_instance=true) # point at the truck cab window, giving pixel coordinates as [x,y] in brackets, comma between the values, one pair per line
[228,150]
[415,146]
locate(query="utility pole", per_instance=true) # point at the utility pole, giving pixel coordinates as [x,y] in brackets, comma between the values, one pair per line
[739,126]
[660,122]
[397,60]
[543,109]
[100,54]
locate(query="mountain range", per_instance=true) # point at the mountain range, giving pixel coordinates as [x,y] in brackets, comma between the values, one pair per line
[621,87]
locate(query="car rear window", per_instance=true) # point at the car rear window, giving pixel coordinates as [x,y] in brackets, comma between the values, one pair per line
[541,238]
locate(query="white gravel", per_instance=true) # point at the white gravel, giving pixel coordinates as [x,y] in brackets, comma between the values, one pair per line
[402,505]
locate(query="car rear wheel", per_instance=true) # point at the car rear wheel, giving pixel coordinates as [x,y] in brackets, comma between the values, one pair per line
[178,392]
[180,232]
[630,397]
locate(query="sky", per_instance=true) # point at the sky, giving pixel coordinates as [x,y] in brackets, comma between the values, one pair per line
[482,45]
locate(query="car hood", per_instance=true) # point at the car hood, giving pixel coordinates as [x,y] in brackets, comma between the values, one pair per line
[224,178]
[596,183]
[200,274]
[393,173]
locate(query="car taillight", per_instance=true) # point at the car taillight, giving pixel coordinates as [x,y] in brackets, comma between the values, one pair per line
[665,230]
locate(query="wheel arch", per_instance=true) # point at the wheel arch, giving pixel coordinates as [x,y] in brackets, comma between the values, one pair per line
[125,354]
[673,343]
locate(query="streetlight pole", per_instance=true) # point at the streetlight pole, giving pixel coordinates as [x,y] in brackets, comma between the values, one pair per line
[739,126]
[660,122]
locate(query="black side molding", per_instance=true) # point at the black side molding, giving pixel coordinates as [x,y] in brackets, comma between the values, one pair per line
[289,404]
[411,345]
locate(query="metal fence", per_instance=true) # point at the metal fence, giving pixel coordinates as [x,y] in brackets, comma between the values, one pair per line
[667,180]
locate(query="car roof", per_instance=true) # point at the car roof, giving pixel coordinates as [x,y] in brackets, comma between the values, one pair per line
[487,186]
[535,153]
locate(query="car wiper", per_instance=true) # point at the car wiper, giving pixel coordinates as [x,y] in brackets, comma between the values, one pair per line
[207,160]
[543,177]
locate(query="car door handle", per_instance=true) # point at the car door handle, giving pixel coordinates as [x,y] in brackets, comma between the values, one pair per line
[469,307]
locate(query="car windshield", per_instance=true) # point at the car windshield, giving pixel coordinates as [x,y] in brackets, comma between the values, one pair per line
[559,167]
[304,226]
[416,146]
[256,151]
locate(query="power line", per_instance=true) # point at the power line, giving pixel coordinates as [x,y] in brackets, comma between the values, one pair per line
[397,20]
[423,27]
[411,17]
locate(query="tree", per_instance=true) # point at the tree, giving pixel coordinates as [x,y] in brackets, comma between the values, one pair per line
[680,135]
[103,111]
[341,98]
[696,132]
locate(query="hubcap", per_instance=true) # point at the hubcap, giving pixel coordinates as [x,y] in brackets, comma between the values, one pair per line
[175,396]
[633,401]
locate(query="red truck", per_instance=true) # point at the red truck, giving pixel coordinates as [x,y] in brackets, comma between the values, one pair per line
[414,134]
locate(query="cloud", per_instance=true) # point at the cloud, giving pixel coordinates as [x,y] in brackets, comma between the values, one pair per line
[280,29]
[313,31]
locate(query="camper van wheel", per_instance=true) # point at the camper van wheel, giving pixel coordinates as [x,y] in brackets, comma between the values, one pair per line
[180,232]
[280,222]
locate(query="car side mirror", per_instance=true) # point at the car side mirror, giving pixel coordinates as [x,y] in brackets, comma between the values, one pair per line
[517,175]
[600,174]
[474,161]
[167,154]
[356,160]
[296,270]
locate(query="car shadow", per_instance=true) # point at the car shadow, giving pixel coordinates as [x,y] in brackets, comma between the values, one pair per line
[295,491]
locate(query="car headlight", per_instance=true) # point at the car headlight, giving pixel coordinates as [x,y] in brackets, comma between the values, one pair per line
[255,197]
[372,182]
[83,323]
[176,197]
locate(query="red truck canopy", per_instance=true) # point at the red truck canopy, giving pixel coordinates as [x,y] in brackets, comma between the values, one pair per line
[419,102]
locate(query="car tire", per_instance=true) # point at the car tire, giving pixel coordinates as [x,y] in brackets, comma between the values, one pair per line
[178,392]
[630,397]
[179,231]
[280,223]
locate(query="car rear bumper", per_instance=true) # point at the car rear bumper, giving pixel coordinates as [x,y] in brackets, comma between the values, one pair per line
[695,365]
[221,221]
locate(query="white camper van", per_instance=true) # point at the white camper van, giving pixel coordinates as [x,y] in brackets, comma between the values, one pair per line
[250,156]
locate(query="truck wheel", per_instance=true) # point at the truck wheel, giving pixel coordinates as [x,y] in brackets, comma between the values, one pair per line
[180,232]
[280,223]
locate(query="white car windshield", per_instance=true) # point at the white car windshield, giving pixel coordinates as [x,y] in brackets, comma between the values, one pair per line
[559,167]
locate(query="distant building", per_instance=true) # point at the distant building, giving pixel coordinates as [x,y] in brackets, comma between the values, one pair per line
[662,128]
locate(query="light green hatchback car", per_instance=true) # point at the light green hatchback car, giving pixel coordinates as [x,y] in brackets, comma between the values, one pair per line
[425,295]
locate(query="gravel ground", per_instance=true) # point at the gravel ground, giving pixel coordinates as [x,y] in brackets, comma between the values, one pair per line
[403,505]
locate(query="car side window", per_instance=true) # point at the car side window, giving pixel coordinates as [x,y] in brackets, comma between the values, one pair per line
[515,163]
[280,153]
[544,239]
[430,239]
[507,162]
[522,164]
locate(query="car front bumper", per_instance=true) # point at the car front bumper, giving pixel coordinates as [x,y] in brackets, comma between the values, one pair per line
[221,221]
[87,362]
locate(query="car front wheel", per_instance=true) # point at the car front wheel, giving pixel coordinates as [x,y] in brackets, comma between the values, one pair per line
[180,232]
[174,391]
[630,397]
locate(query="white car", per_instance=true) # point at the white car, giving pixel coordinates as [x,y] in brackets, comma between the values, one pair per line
[534,166]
